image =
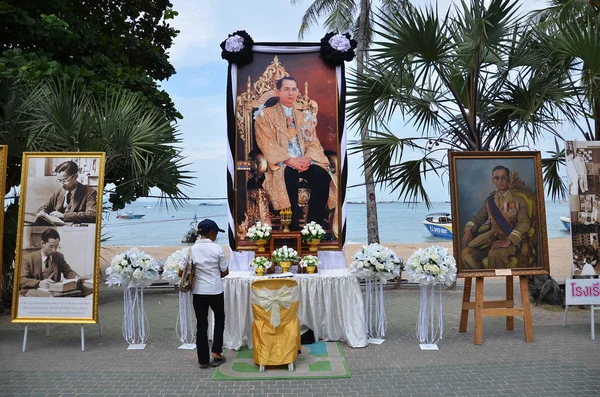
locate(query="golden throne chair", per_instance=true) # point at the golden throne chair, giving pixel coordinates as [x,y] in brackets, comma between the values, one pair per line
[276,326]
[250,159]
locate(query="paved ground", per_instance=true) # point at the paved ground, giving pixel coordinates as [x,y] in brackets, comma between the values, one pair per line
[561,361]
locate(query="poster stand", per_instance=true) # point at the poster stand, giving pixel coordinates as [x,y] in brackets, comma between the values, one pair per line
[503,308]
[592,300]
[26,330]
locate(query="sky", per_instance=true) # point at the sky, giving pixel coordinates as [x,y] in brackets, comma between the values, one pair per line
[198,89]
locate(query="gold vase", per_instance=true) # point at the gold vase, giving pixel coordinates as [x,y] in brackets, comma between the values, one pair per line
[261,245]
[286,226]
[285,266]
[313,245]
[310,269]
[260,271]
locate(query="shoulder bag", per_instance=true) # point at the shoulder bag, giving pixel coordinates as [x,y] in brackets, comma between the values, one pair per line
[186,283]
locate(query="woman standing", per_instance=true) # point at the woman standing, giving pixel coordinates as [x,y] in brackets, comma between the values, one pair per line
[209,261]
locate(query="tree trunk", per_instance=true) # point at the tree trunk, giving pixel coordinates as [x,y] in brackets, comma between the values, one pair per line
[370,199]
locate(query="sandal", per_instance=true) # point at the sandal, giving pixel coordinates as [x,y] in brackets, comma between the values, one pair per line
[218,361]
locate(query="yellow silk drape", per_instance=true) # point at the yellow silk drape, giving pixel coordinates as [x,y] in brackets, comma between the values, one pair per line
[275,346]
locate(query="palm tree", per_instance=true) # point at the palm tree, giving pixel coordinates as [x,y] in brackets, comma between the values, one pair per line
[141,145]
[357,17]
[469,80]
[570,29]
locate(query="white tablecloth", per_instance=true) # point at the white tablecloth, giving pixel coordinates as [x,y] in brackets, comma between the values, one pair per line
[331,304]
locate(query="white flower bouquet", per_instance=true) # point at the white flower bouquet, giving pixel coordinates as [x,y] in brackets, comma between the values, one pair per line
[133,268]
[430,266]
[312,231]
[260,231]
[260,261]
[375,261]
[310,260]
[285,254]
[174,263]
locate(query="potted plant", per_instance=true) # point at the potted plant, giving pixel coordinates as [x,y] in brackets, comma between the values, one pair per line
[260,264]
[312,233]
[260,233]
[285,256]
[310,263]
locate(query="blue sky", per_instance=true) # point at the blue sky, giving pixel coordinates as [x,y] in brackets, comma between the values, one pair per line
[199,87]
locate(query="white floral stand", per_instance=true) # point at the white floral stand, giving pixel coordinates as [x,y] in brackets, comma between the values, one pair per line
[430,325]
[186,324]
[377,265]
[135,323]
[375,311]
[431,267]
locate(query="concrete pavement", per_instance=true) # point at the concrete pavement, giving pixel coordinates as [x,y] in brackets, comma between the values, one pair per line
[561,361]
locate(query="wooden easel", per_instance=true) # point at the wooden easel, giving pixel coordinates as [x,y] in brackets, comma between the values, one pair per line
[496,308]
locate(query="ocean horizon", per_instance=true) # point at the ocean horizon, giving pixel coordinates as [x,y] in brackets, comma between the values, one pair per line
[398,222]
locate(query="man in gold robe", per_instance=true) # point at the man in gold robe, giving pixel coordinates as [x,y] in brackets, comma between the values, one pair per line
[509,222]
[287,139]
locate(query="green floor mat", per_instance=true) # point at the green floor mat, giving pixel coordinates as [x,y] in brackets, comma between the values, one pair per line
[318,360]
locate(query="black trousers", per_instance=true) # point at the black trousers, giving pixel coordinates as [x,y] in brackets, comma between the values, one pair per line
[318,181]
[201,305]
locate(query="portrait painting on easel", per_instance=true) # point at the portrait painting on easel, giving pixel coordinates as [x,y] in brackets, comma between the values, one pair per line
[583,183]
[287,144]
[58,240]
[498,213]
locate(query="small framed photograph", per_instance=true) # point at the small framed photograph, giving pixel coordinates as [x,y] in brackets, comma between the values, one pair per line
[498,213]
[58,240]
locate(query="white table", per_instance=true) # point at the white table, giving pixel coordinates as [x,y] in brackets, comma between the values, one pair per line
[331,304]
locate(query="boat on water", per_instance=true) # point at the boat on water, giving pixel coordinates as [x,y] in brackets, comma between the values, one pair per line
[204,204]
[439,224]
[130,215]
[566,221]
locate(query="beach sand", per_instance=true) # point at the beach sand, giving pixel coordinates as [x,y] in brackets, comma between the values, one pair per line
[559,252]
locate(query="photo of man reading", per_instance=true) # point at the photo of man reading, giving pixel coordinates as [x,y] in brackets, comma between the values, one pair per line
[73,201]
[287,139]
[46,267]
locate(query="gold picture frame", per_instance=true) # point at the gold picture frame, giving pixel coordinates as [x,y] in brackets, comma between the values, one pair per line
[3,165]
[504,214]
[57,266]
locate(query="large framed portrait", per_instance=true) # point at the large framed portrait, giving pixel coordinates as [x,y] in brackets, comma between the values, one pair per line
[57,262]
[3,163]
[583,182]
[498,213]
[286,126]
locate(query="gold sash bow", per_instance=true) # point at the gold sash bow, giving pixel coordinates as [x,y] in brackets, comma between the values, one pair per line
[273,300]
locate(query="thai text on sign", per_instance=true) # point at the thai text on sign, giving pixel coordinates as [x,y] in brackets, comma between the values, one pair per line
[582,291]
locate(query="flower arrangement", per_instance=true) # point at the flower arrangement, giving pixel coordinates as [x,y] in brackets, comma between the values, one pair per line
[237,48]
[309,260]
[133,268]
[174,264]
[337,48]
[375,261]
[260,231]
[260,262]
[285,254]
[430,266]
[312,231]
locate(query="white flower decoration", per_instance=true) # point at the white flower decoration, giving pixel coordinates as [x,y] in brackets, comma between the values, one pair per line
[234,43]
[340,42]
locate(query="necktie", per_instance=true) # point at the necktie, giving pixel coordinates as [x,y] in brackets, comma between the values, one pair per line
[68,198]
[47,262]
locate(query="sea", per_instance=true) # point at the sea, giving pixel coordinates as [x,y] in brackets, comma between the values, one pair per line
[398,222]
